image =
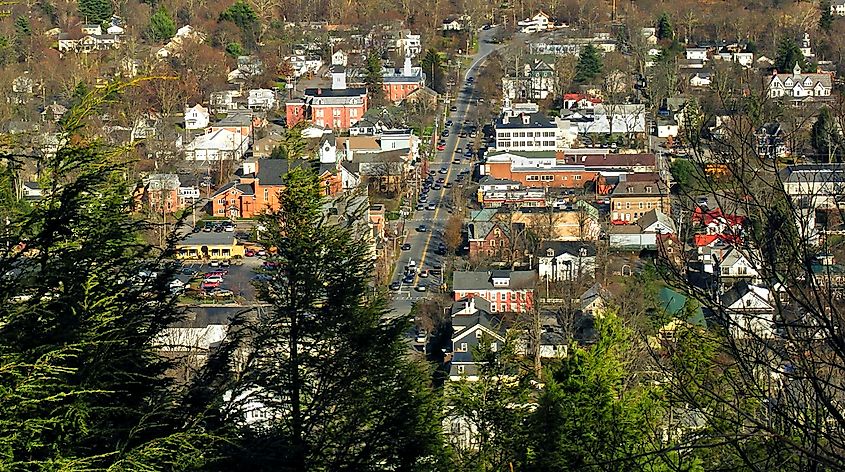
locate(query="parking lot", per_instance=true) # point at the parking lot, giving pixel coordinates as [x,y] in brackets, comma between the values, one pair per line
[238,279]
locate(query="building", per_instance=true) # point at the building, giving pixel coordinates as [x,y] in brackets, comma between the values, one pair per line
[261,99]
[837,7]
[525,132]
[609,118]
[566,260]
[160,193]
[771,141]
[90,38]
[814,185]
[492,240]
[508,291]
[799,85]
[263,147]
[340,58]
[564,170]
[471,326]
[646,233]
[196,117]
[535,24]
[338,107]
[258,184]
[536,82]
[209,246]
[748,311]
[409,44]
[217,145]
[632,199]
[399,83]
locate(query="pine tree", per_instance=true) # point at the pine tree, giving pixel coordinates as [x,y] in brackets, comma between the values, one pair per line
[825,16]
[788,55]
[241,14]
[84,300]
[826,137]
[95,11]
[161,27]
[432,66]
[664,28]
[589,64]
[329,368]
[374,79]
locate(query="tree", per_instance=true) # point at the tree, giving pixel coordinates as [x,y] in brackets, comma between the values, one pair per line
[22,27]
[589,64]
[374,79]
[432,66]
[235,50]
[337,389]
[825,137]
[161,27]
[664,27]
[293,145]
[85,301]
[241,14]
[788,55]
[825,16]
[95,11]
[685,174]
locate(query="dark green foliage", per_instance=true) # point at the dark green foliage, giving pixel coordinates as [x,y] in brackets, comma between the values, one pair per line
[95,11]
[234,49]
[22,26]
[685,173]
[80,384]
[664,27]
[825,16]
[374,79]
[826,137]
[293,145]
[788,55]
[432,66]
[589,64]
[330,369]
[161,27]
[241,14]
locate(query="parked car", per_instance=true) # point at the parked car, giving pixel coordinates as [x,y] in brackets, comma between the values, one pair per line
[229,228]
[408,279]
[431,206]
[443,170]
[249,253]
[453,108]
[210,285]
[422,335]
[441,147]
[420,206]
[214,264]
[424,273]
[189,271]
[225,263]
[222,293]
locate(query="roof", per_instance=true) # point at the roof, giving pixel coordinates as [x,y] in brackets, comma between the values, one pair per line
[638,189]
[210,239]
[612,160]
[673,303]
[392,155]
[813,173]
[567,247]
[490,180]
[334,93]
[479,303]
[486,214]
[717,215]
[482,280]
[272,171]
[535,120]
[739,290]
[358,142]
[480,229]
[656,216]
[239,119]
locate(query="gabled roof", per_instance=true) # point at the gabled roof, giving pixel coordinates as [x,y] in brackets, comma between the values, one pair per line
[479,303]
[491,325]
[572,248]
[480,229]
[482,280]
[743,289]
[656,216]
[717,215]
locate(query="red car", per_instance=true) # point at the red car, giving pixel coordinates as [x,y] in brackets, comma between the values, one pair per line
[216,273]
[441,147]
[208,285]
[249,253]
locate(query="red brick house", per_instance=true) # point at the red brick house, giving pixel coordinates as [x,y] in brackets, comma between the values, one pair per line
[337,108]
[258,185]
[507,291]
[491,240]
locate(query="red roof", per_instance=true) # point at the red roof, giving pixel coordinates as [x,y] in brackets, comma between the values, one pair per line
[705,218]
[580,96]
[700,240]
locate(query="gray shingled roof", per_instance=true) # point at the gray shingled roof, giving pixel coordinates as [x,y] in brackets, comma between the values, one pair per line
[481,280]
[568,247]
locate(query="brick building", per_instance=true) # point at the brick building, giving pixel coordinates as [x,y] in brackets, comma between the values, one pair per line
[491,240]
[508,291]
[632,199]
[399,83]
[338,107]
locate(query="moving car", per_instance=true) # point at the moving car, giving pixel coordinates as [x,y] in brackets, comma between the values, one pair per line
[421,287]
[406,247]
[422,228]
[395,286]
[424,273]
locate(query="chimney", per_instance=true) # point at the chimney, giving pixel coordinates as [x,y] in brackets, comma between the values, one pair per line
[526,119]
[506,118]
[319,91]
[407,71]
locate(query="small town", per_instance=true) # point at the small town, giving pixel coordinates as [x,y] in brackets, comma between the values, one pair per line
[446,236]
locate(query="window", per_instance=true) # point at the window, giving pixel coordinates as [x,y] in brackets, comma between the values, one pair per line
[493,307]
[493,347]
[532,178]
[502,296]
[618,205]
[319,113]
[563,177]
[742,270]
[547,178]
[222,201]
[627,205]
[353,112]
[266,194]
[336,112]
[497,232]
[478,333]
[641,205]
[463,347]
[502,243]
[577,177]
[461,369]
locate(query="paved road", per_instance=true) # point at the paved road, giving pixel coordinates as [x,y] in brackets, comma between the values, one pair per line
[424,244]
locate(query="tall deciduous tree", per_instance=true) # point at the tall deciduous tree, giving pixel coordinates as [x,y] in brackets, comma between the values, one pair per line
[826,137]
[589,64]
[327,366]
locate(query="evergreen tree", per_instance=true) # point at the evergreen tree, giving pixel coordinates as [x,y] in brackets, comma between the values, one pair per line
[235,50]
[664,27]
[84,301]
[374,79]
[826,137]
[161,27]
[788,55]
[241,14]
[22,27]
[293,145]
[825,17]
[589,64]
[432,66]
[95,11]
[327,365]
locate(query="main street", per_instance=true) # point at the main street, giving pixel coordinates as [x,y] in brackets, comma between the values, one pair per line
[424,244]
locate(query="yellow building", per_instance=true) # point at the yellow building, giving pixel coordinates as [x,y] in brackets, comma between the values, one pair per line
[631,200]
[199,246]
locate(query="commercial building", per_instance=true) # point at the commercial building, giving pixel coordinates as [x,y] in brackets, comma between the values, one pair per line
[338,107]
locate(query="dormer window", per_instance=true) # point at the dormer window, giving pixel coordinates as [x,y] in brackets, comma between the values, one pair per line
[550,252]
[648,189]
[582,252]
[478,333]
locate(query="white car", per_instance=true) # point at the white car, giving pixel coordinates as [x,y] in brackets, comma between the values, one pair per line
[422,334]
[213,279]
